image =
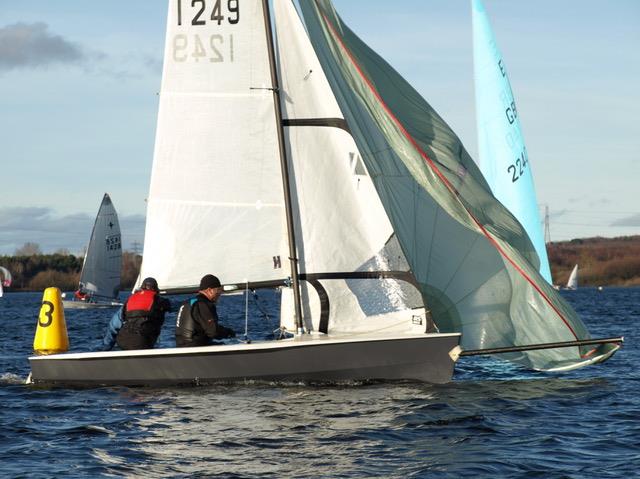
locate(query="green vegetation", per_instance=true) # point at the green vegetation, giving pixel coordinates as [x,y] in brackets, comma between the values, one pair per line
[39,271]
[601,261]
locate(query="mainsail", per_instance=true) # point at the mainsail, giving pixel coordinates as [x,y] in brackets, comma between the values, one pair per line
[503,157]
[474,264]
[345,240]
[215,203]
[103,261]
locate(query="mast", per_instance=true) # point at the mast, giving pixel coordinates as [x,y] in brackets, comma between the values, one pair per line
[293,258]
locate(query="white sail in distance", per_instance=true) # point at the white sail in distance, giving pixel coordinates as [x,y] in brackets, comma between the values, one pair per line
[102,265]
[572,282]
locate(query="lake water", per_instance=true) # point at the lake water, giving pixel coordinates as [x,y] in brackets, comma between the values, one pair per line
[492,420]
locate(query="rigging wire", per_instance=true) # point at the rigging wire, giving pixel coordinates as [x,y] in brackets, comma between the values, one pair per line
[277,333]
[246,313]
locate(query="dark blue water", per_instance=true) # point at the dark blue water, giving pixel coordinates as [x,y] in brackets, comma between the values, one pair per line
[491,421]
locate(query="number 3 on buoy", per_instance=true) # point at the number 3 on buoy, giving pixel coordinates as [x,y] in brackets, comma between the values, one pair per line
[48,314]
[51,331]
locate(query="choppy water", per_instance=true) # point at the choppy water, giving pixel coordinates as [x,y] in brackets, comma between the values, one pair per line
[491,421]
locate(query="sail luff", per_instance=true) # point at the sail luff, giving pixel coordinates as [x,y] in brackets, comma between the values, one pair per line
[284,166]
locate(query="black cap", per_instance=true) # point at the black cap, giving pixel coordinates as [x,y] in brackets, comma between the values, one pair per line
[209,281]
[150,283]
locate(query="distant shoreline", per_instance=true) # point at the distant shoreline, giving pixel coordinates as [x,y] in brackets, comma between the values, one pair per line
[602,262]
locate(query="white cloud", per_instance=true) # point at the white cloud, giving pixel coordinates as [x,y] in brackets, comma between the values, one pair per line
[25,45]
[633,220]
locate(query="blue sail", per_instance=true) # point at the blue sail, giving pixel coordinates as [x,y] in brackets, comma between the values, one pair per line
[503,156]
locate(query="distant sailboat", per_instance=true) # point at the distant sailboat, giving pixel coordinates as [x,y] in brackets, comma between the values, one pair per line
[503,156]
[100,277]
[572,283]
[5,279]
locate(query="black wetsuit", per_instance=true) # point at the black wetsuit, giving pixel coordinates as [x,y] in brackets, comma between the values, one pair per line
[197,323]
[142,319]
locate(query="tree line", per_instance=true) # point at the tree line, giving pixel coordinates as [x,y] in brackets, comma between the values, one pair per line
[35,272]
[601,261]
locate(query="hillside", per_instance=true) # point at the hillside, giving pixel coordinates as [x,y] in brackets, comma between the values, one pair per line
[601,261]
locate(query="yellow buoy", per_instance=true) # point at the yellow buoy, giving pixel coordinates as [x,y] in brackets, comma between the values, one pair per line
[51,332]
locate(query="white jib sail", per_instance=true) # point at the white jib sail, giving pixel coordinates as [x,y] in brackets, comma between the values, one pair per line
[572,283]
[215,202]
[341,225]
[103,262]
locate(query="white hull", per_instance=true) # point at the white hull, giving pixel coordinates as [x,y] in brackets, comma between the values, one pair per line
[422,357]
[70,304]
[587,362]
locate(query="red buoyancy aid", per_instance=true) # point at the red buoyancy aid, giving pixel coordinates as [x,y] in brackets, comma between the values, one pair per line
[141,301]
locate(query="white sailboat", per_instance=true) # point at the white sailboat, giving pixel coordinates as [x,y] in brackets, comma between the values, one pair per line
[503,156]
[5,279]
[100,276]
[217,204]
[572,282]
[320,162]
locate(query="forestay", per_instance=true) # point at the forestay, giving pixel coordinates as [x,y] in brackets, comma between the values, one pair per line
[341,225]
[215,203]
[474,264]
[503,157]
[103,261]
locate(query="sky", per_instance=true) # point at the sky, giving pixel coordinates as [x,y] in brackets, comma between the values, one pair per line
[79,83]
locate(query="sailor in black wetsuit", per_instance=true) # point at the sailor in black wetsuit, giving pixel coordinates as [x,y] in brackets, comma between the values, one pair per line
[197,323]
[142,317]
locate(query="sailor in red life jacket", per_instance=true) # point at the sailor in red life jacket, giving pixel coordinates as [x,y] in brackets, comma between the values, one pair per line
[142,317]
[81,295]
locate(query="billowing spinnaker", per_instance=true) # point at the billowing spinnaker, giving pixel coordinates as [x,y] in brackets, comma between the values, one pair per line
[503,157]
[476,267]
[215,201]
[341,225]
[103,261]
